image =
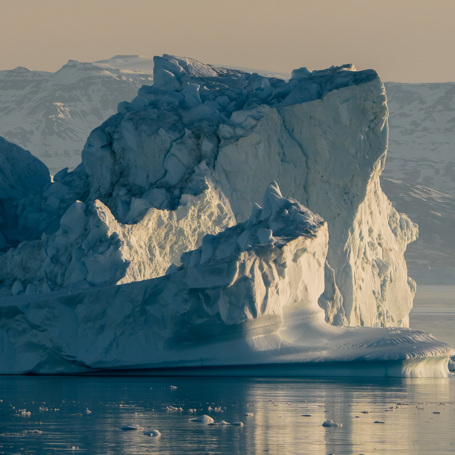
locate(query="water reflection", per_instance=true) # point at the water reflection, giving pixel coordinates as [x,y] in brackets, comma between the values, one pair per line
[88,413]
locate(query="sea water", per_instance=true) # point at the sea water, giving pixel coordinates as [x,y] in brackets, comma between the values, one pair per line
[71,414]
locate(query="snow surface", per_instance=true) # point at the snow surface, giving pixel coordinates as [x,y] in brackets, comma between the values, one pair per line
[247,296]
[151,204]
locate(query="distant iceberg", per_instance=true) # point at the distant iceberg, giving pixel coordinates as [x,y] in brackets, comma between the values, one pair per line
[153,253]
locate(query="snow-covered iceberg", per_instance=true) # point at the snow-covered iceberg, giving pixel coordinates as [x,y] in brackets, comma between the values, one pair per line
[246,298]
[146,255]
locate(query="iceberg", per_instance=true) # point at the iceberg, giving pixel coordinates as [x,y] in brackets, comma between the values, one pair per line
[154,255]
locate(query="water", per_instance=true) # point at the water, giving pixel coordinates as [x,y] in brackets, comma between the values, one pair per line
[53,415]
[434,312]
[406,408]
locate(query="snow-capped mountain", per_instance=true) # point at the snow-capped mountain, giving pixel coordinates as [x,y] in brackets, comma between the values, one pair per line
[419,175]
[422,135]
[52,114]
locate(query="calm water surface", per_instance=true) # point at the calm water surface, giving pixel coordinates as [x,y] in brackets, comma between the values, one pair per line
[52,415]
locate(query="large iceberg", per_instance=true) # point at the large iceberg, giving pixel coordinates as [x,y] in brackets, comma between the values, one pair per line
[146,255]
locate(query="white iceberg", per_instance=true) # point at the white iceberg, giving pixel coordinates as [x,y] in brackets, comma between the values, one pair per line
[145,257]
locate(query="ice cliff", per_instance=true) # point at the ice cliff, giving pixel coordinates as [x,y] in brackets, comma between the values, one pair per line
[191,154]
[247,297]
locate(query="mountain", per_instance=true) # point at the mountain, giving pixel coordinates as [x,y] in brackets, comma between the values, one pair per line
[51,114]
[419,176]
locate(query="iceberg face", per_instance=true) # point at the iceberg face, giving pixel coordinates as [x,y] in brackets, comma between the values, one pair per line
[247,296]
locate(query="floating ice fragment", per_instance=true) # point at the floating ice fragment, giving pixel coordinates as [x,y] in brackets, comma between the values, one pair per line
[173,387]
[132,427]
[237,424]
[248,414]
[153,433]
[331,423]
[203,419]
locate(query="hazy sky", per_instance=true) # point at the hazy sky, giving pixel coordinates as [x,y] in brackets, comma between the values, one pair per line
[404,40]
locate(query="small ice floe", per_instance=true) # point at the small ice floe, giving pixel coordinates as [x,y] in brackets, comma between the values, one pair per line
[237,424]
[153,433]
[331,423]
[203,419]
[173,387]
[43,409]
[223,422]
[248,414]
[132,428]
[378,421]
[192,410]
[75,448]
[87,411]
[23,413]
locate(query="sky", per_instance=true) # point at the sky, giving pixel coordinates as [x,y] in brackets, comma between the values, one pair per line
[404,40]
